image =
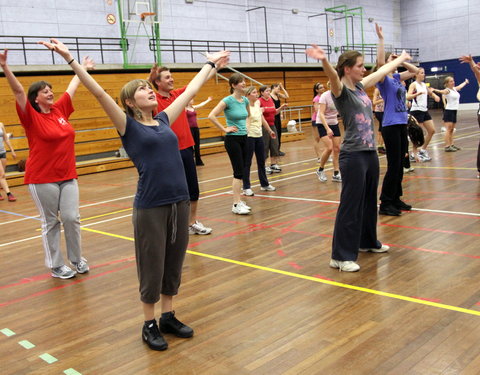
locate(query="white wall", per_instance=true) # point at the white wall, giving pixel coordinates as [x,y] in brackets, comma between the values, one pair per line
[442,29]
[202,20]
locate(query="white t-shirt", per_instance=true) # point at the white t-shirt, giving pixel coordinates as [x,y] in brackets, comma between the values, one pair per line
[453,99]
[420,102]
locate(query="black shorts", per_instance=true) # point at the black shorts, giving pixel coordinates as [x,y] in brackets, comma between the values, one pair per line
[3,155]
[450,115]
[379,117]
[421,116]
[190,173]
[323,132]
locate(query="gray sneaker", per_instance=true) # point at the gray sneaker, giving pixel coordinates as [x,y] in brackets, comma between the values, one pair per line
[82,266]
[63,272]
[321,175]
[337,178]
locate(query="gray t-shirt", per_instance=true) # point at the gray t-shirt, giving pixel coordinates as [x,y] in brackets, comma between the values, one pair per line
[355,107]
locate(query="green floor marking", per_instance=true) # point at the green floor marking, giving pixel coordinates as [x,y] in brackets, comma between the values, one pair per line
[7,332]
[71,371]
[48,358]
[26,344]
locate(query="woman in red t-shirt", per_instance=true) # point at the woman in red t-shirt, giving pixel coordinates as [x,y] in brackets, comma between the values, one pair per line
[271,144]
[50,170]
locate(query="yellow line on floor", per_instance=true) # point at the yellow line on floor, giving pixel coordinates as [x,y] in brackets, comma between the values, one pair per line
[314,279]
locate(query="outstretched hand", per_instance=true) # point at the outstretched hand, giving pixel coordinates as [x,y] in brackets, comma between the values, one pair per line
[466,59]
[405,55]
[153,73]
[3,57]
[58,47]
[219,57]
[379,30]
[88,63]
[315,52]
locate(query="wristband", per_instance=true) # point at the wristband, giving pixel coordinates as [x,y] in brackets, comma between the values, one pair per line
[212,64]
[72,60]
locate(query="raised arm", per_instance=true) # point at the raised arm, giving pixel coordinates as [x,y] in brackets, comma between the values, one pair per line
[433,95]
[375,77]
[336,86]
[197,106]
[220,59]
[462,85]
[88,64]
[15,85]
[113,111]
[284,93]
[412,71]
[380,46]
[475,67]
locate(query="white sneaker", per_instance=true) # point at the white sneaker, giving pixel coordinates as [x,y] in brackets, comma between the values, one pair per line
[268,170]
[443,129]
[82,266]
[408,170]
[63,272]
[275,168]
[337,178]
[346,266]
[383,249]
[423,154]
[240,209]
[268,188]
[248,192]
[321,175]
[199,228]
[245,205]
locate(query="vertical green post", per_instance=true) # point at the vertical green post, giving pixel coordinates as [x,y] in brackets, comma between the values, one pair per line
[156,35]
[123,34]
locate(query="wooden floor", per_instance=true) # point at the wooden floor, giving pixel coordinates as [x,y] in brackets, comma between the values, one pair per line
[258,291]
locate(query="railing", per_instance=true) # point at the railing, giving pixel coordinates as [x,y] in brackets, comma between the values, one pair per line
[295,113]
[183,50]
[28,46]
[370,52]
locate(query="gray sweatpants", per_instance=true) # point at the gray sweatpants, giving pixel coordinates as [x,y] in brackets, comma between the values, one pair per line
[51,200]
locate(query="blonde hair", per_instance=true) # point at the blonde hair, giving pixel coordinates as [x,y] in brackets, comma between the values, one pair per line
[445,81]
[249,90]
[128,93]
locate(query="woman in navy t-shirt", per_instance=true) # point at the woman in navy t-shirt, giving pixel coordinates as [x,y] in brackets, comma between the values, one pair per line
[161,206]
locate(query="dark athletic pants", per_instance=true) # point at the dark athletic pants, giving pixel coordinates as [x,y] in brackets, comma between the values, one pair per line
[356,221]
[395,138]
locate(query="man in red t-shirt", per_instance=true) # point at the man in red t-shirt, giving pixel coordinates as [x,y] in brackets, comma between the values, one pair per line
[162,80]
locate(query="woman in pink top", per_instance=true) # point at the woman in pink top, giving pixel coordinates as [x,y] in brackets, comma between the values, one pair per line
[191,112]
[318,89]
[329,131]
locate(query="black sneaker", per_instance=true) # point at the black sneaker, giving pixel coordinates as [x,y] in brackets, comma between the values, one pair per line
[170,324]
[152,336]
[389,210]
[401,205]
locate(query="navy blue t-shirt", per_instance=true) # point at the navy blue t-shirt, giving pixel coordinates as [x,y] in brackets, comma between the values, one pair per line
[154,152]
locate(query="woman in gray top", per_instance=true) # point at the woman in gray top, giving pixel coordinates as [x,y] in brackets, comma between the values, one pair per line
[356,221]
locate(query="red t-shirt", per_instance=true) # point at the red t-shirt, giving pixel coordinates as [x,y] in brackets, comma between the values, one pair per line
[269,111]
[51,142]
[180,127]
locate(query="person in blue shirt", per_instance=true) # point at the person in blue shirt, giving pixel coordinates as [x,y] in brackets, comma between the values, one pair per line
[394,129]
[236,108]
[161,206]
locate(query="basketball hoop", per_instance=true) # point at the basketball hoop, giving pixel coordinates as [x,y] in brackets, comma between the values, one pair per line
[145,15]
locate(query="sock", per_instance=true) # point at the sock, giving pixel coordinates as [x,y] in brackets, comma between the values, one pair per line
[335,173]
[320,169]
[9,193]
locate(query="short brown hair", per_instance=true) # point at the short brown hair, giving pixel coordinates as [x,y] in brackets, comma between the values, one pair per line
[347,59]
[155,73]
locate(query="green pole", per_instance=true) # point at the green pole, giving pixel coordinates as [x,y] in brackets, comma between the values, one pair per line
[156,35]
[123,33]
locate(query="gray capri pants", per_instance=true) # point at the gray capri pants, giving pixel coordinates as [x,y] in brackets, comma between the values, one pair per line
[52,199]
[161,239]
[271,144]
